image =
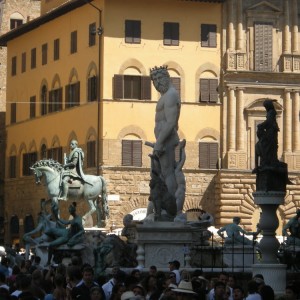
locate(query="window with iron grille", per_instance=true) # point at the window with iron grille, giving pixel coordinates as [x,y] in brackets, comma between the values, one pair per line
[44,54]
[55,100]
[32,106]
[14,66]
[132,31]
[208,35]
[91,154]
[13,113]
[132,153]
[12,166]
[56,49]
[14,23]
[208,90]
[72,95]
[73,45]
[132,87]
[55,153]
[44,104]
[92,34]
[208,155]
[28,160]
[33,58]
[23,66]
[92,88]
[171,34]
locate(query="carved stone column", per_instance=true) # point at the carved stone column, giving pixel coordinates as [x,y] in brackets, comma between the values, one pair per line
[231,119]
[239,37]
[287,138]
[295,26]
[286,32]
[230,25]
[296,130]
[240,141]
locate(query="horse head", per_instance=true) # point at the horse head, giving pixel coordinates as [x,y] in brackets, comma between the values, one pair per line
[46,165]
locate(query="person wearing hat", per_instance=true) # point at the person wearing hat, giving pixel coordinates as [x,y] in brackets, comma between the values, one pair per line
[184,291]
[174,267]
[129,295]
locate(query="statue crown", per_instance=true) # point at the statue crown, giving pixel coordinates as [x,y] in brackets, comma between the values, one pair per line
[161,69]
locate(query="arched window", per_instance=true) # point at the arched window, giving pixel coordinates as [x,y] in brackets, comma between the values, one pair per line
[14,226]
[208,87]
[28,223]
[44,100]
[16,20]
[43,151]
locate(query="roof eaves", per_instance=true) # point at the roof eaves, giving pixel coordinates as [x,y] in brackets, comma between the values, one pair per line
[49,16]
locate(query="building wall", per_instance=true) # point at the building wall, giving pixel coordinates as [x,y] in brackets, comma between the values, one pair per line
[25,10]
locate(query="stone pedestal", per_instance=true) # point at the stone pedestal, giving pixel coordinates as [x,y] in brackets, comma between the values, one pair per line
[161,242]
[239,256]
[274,272]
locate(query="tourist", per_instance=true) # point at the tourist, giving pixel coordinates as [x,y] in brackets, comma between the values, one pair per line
[223,277]
[184,291]
[118,277]
[149,284]
[253,294]
[174,267]
[117,290]
[267,293]
[3,281]
[59,292]
[185,275]
[82,290]
[238,293]
[152,270]
[291,292]
[96,293]
[219,291]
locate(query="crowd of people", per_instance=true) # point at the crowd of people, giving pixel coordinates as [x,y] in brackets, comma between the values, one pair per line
[31,281]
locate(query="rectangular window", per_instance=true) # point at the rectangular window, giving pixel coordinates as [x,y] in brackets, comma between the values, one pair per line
[14,66]
[72,94]
[32,106]
[92,34]
[171,34]
[55,153]
[132,153]
[133,31]
[33,58]
[28,160]
[92,88]
[13,113]
[44,54]
[263,46]
[56,49]
[73,42]
[132,87]
[177,84]
[23,67]
[91,154]
[55,100]
[209,90]
[14,23]
[12,166]
[208,35]
[208,155]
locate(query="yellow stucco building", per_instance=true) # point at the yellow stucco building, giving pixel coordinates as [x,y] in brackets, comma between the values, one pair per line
[81,71]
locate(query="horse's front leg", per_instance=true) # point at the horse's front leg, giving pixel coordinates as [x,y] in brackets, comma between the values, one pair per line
[55,208]
[91,211]
[100,214]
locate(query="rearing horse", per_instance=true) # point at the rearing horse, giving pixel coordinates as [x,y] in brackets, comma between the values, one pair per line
[78,190]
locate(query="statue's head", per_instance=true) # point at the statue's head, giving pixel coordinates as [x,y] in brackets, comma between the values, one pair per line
[236,220]
[268,104]
[73,144]
[160,78]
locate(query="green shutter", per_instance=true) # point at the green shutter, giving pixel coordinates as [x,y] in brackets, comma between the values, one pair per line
[118,87]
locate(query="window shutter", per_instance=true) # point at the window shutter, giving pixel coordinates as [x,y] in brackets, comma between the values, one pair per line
[203,155]
[146,87]
[176,81]
[50,101]
[213,155]
[126,153]
[175,34]
[118,87]
[213,92]
[204,35]
[13,113]
[67,96]
[212,36]
[167,33]
[77,93]
[136,32]
[92,34]
[59,105]
[91,154]
[204,90]
[137,153]
[12,166]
